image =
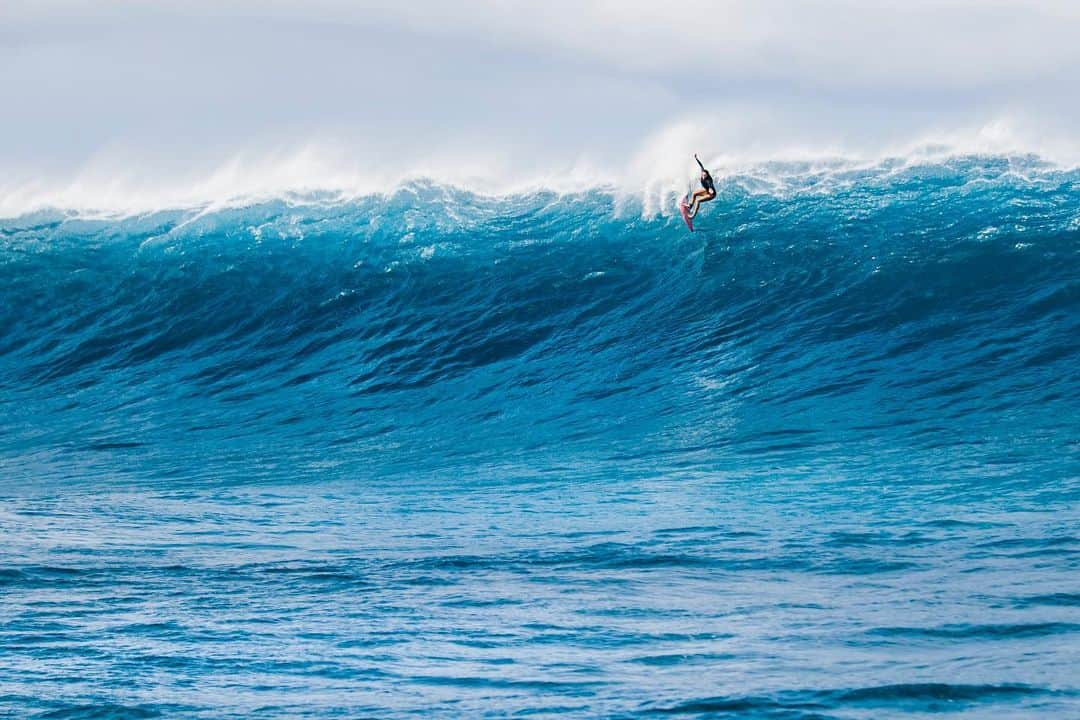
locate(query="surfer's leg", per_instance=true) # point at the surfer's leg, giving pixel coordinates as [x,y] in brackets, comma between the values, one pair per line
[701,196]
[695,202]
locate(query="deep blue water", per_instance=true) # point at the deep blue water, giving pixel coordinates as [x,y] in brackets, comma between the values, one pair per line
[445,455]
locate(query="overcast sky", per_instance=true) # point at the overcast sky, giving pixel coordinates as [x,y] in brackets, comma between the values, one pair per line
[105,99]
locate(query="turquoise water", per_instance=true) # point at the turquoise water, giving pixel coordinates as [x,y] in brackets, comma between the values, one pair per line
[444,455]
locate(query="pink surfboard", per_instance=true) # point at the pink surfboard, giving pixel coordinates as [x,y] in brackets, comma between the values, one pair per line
[685,212]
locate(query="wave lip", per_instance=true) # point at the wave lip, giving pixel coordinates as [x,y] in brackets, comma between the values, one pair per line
[652,188]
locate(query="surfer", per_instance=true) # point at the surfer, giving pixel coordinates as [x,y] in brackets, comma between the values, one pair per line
[705,194]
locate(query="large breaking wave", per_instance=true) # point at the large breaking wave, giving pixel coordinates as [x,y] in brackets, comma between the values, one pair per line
[923,318]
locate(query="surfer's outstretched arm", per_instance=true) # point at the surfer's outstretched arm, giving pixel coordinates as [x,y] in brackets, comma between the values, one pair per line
[699,163]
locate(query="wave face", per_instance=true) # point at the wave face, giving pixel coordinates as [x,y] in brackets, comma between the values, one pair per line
[922,317]
[550,453]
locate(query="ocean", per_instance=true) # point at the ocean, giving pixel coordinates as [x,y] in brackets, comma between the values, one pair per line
[436,453]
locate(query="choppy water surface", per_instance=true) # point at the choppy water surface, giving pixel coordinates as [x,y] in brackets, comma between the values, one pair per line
[443,455]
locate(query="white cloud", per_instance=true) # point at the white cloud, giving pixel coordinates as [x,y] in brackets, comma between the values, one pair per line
[827,42]
[131,95]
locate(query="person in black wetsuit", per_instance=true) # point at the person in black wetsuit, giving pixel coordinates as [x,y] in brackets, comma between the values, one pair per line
[705,194]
